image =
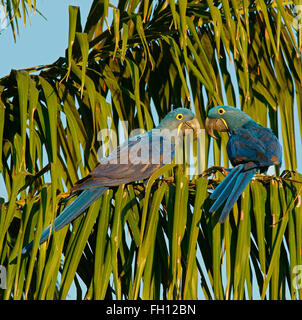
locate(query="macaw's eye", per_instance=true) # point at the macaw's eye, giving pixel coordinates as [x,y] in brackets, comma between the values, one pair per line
[179,116]
[221,111]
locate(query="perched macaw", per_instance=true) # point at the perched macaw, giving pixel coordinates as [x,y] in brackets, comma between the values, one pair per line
[136,159]
[251,147]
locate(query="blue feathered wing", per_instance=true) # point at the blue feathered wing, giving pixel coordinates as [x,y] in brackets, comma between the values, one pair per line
[136,159]
[250,148]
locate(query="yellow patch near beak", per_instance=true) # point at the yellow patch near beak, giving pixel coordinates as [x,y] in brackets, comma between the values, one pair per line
[224,122]
[179,128]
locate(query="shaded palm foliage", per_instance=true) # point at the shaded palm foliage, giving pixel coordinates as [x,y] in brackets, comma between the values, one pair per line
[132,62]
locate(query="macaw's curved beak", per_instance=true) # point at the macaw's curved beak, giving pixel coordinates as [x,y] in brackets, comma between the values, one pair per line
[193,124]
[215,124]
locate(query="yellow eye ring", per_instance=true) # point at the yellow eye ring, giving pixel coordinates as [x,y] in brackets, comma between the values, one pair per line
[179,116]
[221,111]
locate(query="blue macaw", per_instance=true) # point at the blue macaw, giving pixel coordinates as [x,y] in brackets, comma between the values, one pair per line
[136,159]
[251,147]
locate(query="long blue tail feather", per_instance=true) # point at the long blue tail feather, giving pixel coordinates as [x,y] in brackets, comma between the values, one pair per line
[242,181]
[219,189]
[81,203]
[225,189]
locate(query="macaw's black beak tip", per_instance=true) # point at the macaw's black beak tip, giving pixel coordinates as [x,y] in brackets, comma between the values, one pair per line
[209,126]
[215,124]
[192,125]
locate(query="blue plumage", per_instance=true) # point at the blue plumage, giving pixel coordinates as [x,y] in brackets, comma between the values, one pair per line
[80,204]
[251,147]
[136,159]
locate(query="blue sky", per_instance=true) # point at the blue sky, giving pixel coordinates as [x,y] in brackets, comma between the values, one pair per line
[43,41]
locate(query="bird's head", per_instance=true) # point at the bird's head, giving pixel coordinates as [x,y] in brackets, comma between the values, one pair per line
[225,119]
[181,119]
